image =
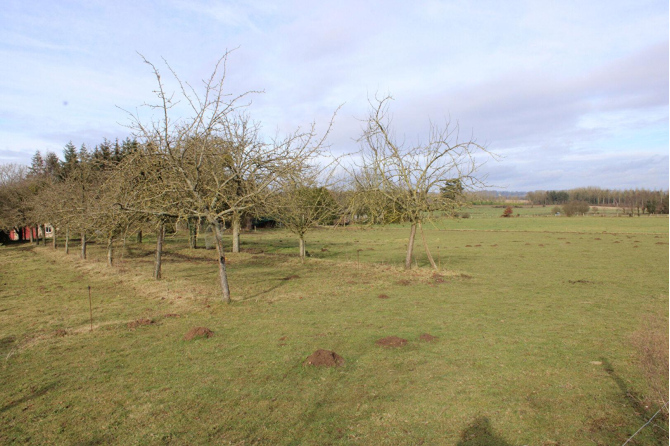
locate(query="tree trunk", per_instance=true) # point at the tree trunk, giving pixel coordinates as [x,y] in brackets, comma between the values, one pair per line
[193,232]
[31,234]
[43,228]
[425,246]
[83,245]
[159,251]
[410,247]
[223,275]
[302,247]
[67,241]
[139,236]
[236,233]
[54,242]
[110,251]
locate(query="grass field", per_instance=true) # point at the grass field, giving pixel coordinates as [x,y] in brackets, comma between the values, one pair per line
[535,319]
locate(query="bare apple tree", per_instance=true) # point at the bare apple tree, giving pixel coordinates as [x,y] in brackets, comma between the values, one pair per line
[214,165]
[302,203]
[409,182]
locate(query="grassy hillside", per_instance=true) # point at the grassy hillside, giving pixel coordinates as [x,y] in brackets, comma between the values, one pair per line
[536,320]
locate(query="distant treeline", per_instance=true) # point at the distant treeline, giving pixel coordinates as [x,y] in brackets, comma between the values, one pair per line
[630,200]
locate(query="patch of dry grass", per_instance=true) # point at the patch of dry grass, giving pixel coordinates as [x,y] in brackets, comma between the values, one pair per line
[651,347]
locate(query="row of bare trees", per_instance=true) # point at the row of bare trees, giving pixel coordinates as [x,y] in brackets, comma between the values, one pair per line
[213,166]
[630,200]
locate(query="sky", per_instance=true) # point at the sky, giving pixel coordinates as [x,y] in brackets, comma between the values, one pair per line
[566,94]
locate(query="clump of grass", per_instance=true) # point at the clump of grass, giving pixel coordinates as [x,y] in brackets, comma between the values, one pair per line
[651,346]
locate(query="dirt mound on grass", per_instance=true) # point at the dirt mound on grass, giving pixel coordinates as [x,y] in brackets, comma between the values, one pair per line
[391,341]
[324,358]
[198,332]
[427,337]
[139,322]
[382,296]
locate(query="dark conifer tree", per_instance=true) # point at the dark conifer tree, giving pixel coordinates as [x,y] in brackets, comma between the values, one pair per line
[37,166]
[70,159]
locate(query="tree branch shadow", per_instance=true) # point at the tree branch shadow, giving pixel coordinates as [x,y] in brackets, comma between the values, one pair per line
[480,433]
[635,401]
[35,394]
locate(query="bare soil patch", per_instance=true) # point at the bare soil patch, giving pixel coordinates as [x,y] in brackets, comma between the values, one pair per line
[391,341]
[291,277]
[198,332]
[141,321]
[324,358]
[427,337]
[383,296]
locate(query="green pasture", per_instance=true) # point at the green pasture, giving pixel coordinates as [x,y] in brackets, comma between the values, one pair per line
[533,316]
[527,210]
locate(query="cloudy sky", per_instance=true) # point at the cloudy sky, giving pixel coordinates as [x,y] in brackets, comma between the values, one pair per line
[569,93]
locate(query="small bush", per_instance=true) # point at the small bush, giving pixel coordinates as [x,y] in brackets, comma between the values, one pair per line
[575,208]
[555,210]
[465,215]
[508,212]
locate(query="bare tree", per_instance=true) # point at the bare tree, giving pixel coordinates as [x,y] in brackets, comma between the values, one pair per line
[301,204]
[411,181]
[16,192]
[214,164]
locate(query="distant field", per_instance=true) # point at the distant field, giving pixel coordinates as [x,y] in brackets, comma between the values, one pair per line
[537,211]
[535,319]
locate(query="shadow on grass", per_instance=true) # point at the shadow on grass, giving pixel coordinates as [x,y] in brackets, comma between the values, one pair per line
[35,394]
[480,433]
[6,344]
[260,293]
[634,400]
[180,256]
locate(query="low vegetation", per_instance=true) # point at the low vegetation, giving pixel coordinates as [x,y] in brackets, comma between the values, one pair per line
[534,330]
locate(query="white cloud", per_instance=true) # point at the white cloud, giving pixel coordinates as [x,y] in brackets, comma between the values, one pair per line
[532,79]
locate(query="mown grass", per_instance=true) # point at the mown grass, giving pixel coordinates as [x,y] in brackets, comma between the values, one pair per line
[535,325]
